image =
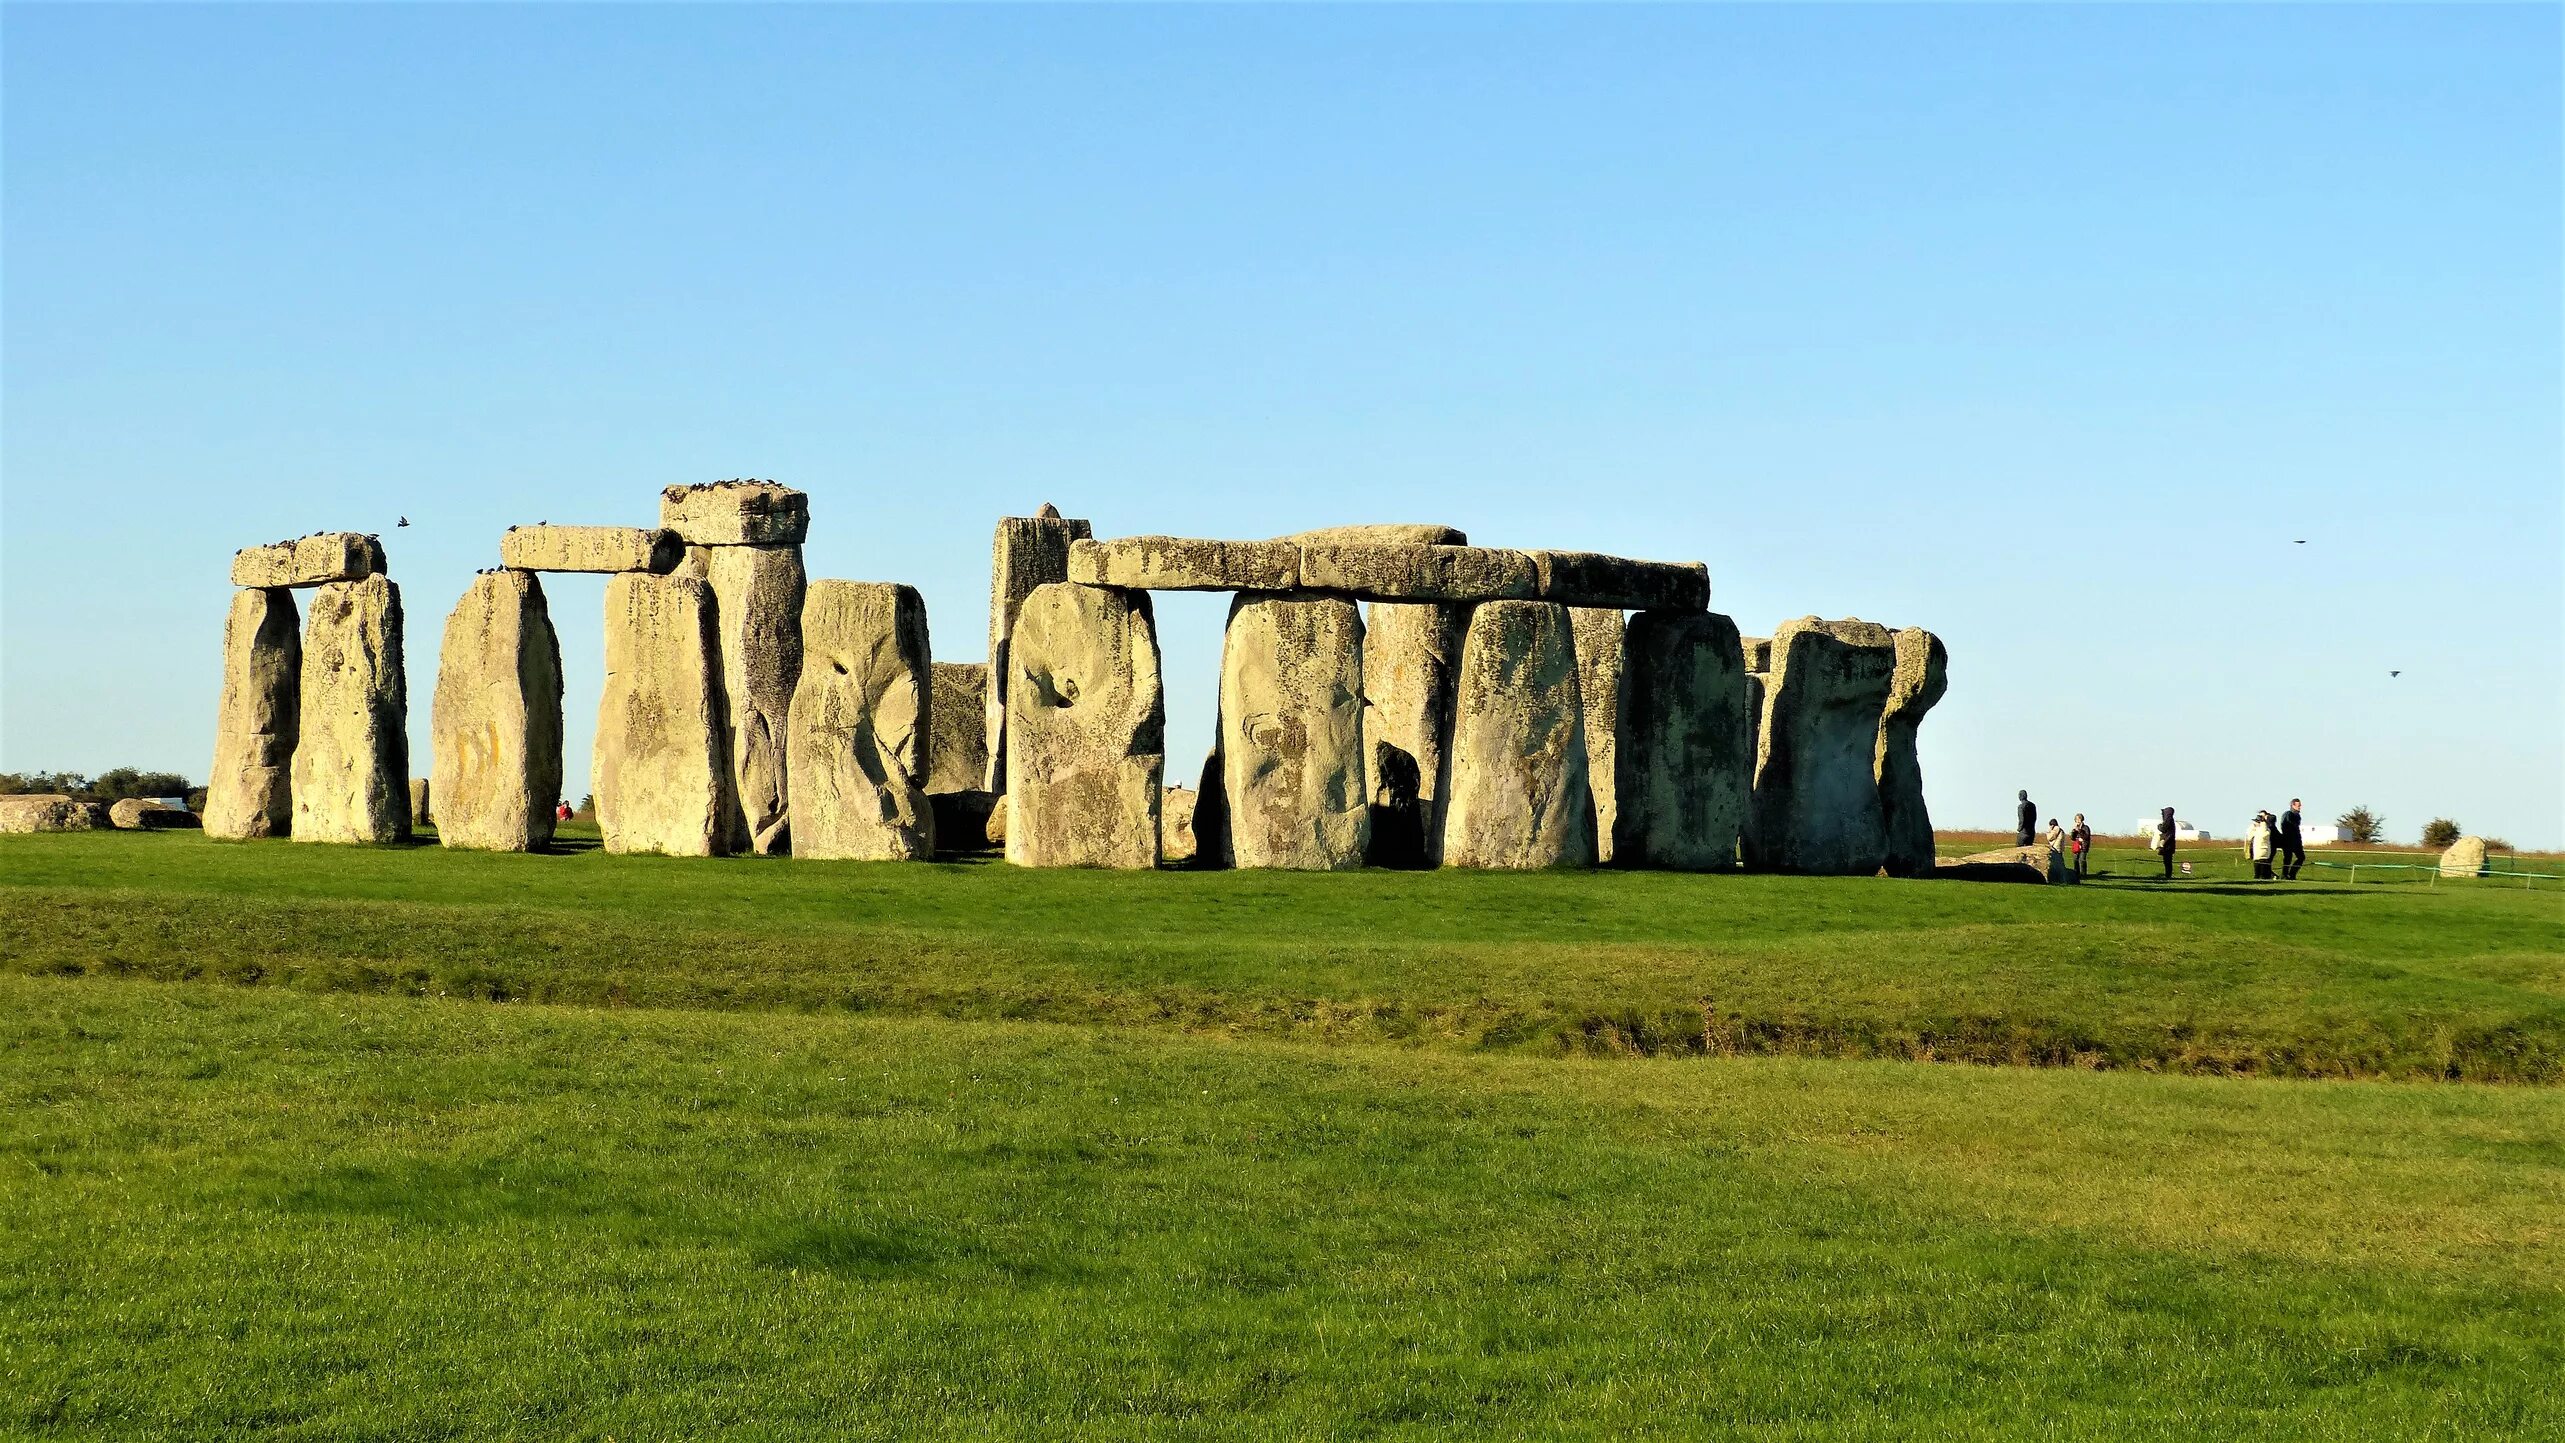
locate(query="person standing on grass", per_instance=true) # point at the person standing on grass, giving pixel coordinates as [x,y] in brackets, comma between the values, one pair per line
[2079,846]
[2257,846]
[2056,839]
[2026,817]
[2164,842]
[2293,841]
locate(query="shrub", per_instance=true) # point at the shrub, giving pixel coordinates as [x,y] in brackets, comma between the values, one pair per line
[2364,824]
[2439,832]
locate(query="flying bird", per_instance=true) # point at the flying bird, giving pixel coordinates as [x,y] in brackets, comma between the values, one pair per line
[404,521]
[2395,673]
[2297,543]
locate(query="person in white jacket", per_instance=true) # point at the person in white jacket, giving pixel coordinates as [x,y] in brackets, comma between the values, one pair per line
[2257,845]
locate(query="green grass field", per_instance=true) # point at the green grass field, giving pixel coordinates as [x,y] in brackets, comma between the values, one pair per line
[815,1150]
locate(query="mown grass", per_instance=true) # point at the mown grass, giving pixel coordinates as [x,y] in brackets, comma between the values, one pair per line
[234,1213]
[2309,979]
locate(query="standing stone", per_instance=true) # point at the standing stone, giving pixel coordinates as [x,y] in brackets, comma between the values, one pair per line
[662,766]
[1085,730]
[1686,756]
[757,604]
[957,746]
[1514,790]
[496,726]
[1175,826]
[1291,733]
[856,745]
[1921,677]
[1209,819]
[1758,653]
[250,792]
[352,757]
[1599,638]
[1029,551]
[1816,799]
[421,815]
[735,513]
[2465,858]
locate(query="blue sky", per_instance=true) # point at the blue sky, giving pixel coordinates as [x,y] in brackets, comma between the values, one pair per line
[2050,329]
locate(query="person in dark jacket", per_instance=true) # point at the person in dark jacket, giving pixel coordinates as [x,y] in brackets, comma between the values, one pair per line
[2079,846]
[2026,820]
[2164,842]
[2293,842]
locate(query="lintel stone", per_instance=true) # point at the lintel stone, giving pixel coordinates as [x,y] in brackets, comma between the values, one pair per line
[591,548]
[736,513]
[314,560]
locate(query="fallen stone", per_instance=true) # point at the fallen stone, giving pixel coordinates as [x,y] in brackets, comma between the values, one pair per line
[314,560]
[352,757]
[250,792]
[1599,633]
[1921,677]
[1816,798]
[2037,859]
[861,715]
[2466,857]
[1586,580]
[142,814]
[1954,869]
[962,821]
[757,614]
[1176,563]
[1291,733]
[1514,790]
[1028,551]
[1085,730]
[591,548]
[661,771]
[1685,762]
[736,513]
[957,748]
[496,726]
[50,812]
[1418,573]
[1175,826]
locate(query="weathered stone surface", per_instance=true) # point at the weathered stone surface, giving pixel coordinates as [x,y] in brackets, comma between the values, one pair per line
[1758,658]
[1686,757]
[309,560]
[1028,551]
[661,770]
[1514,790]
[591,548]
[142,814]
[1410,651]
[1176,563]
[2038,861]
[421,814]
[1586,580]
[352,757]
[1211,809]
[963,820]
[50,812]
[1598,684]
[2465,858]
[1383,534]
[861,715]
[736,513]
[957,749]
[1175,826]
[1816,798]
[250,792]
[496,727]
[1418,573]
[757,614]
[1922,675]
[1291,733]
[1085,730]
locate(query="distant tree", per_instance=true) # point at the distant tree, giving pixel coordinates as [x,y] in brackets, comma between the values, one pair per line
[588,803]
[118,783]
[2363,824]
[21,783]
[2439,832]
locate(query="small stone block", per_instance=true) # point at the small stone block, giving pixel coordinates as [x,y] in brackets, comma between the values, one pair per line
[736,513]
[591,548]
